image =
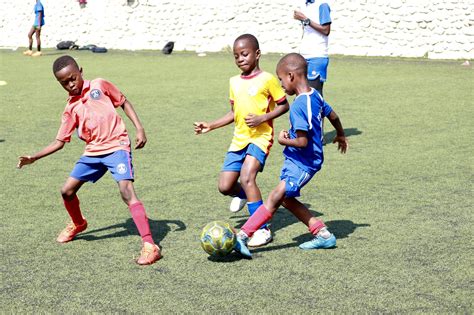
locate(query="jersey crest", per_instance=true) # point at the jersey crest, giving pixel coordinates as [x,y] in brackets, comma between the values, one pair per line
[95,94]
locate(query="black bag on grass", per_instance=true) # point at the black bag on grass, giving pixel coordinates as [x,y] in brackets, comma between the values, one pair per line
[168,49]
[67,44]
[99,49]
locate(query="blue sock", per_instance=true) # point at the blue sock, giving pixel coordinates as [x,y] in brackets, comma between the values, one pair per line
[242,194]
[253,206]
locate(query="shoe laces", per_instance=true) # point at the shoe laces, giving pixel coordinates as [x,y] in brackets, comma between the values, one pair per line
[70,227]
[146,251]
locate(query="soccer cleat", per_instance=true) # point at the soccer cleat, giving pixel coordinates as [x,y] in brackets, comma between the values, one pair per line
[71,231]
[319,242]
[237,204]
[36,54]
[28,52]
[260,237]
[150,253]
[241,247]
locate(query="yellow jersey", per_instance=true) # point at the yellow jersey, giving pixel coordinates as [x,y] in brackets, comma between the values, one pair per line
[255,94]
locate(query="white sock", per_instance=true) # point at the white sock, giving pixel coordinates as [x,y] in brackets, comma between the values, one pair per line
[243,236]
[324,233]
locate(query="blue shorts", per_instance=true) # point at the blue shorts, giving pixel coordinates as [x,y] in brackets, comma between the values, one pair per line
[317,67]
[235,159]
[92,168]
[295,178]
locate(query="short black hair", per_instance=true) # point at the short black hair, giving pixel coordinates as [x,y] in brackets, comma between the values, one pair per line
[293,62]
[250,38]
[63,62]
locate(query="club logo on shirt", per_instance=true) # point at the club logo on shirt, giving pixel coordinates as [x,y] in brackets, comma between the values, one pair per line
[121,169]
[253,90]
[95,94]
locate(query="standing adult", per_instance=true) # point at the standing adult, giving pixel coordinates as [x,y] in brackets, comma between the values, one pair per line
[315,18]
[36,29]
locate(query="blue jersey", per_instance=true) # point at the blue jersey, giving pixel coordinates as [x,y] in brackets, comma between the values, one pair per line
[39,8]
[306,114]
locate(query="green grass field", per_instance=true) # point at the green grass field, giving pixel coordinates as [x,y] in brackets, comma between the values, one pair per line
[400,201]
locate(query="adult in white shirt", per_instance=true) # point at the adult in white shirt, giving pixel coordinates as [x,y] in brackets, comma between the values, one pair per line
[315,17]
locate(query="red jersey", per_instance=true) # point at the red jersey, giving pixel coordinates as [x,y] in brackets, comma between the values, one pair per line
[93,114]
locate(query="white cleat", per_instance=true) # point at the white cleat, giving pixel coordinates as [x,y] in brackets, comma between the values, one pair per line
[260,237]
[237,204]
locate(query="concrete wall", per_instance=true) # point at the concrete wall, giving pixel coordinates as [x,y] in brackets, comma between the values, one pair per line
[408,28]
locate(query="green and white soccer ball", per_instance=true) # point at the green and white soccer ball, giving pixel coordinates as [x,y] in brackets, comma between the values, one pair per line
[218,238]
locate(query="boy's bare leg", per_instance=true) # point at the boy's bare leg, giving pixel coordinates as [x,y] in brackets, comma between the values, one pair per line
[248,178]
[29,52]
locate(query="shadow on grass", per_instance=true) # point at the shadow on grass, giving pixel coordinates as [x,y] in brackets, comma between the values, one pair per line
[159,230]
[2,140]
[329,136]
[283,218]
[233,256]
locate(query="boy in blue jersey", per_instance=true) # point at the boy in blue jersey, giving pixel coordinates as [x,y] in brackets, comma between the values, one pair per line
[303,156]
[36,29]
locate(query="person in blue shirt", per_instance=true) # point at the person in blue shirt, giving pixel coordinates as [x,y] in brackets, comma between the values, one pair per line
[36,29]
[303,156]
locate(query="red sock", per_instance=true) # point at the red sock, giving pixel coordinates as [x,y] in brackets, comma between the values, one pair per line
[72,207]
[316,227]
[260,217]
[141,221]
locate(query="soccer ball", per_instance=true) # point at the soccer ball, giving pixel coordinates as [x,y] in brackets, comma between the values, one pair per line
[218,238]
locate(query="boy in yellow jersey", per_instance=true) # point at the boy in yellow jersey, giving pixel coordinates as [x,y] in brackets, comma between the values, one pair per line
[256,98]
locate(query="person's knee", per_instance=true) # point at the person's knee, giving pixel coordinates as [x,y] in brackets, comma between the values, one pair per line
[127,192]
[247,180]
[67,193]
[225,188]
[127,195]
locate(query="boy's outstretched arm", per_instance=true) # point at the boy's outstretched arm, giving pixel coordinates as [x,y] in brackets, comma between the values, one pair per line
[340,138]
[140,138]
[253,120]
[204,127]
[50,149]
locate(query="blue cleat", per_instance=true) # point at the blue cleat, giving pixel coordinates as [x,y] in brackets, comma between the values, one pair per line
[241,247]
[320,242]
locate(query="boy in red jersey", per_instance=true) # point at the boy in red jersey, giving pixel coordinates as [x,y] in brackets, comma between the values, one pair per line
[256,98]
[91,110]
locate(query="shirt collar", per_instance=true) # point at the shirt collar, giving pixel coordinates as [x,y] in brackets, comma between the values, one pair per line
[250,76]
[85,87]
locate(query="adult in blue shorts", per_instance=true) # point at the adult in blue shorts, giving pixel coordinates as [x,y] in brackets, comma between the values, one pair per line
[315,17]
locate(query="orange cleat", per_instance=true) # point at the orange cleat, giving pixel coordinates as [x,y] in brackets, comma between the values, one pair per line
[28,52]
[150,253]
[36,54]
[71,231]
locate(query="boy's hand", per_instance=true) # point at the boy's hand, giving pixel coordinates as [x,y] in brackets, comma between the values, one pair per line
[201,127]
[140,139]
[25,160]
[342,144]
[298,15]
[282,136]
[253,120]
